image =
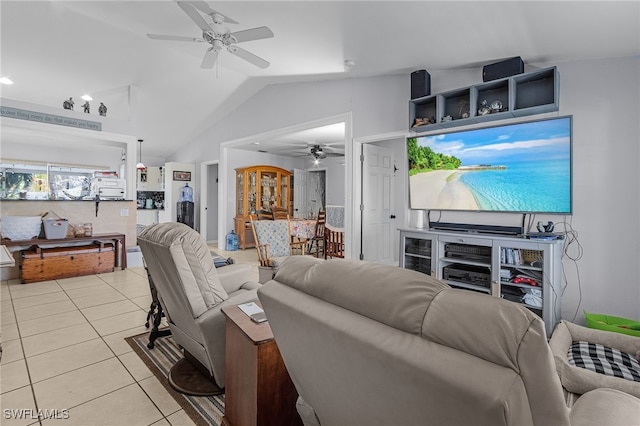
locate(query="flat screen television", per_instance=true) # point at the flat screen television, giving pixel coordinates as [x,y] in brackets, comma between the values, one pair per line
[518,168]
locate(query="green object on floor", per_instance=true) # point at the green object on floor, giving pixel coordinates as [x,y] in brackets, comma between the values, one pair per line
[611,323]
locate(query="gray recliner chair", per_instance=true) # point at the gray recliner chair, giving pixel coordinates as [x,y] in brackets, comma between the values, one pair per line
[192,293]
[370,344]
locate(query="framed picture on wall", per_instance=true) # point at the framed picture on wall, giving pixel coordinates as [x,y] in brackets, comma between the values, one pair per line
[183,176]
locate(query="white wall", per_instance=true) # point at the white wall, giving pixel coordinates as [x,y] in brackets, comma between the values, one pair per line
[602,95]
[104,156]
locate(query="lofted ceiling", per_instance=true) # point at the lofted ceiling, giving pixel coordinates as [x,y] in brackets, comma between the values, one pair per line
[56,49]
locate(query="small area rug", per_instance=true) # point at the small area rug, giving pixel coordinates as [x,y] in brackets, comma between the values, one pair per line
[202,410]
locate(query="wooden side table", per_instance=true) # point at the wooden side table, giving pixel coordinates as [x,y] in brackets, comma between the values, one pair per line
[258,389]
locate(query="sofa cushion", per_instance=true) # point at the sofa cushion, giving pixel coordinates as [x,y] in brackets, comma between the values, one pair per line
[604,360]
[349,283]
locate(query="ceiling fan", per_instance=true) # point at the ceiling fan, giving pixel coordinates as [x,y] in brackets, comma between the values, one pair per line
[218,35]
[320,153]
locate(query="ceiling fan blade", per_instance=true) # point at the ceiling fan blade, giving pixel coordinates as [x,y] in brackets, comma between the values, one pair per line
[248,56]
[209,58]
[334,151]
[252,34]
[174,38]
[195,16]
[203,6]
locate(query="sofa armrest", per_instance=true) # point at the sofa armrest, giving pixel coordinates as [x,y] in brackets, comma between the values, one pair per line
[232,277]
[605,407]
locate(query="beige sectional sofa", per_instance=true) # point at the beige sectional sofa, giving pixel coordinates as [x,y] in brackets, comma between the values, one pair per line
[369,344]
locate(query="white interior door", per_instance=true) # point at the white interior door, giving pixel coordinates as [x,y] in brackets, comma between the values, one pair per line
[377,200]
[300,193]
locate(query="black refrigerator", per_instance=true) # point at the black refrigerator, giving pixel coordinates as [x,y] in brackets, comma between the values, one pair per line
[185,212]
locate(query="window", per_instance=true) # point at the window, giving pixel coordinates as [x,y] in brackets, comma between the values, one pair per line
[45,181]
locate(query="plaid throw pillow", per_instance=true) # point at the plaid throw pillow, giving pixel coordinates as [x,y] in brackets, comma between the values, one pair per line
[604,360]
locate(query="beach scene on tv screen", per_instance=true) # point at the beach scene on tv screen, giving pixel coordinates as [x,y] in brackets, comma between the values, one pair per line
[523,167]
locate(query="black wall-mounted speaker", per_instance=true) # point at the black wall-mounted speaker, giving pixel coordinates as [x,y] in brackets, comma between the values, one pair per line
[420,84]
[503,69]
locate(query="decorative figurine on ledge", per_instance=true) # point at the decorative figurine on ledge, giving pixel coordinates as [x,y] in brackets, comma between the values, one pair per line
[422,121]
[484,108]
[102,110]
[86,107]
[463,111]
[68,104]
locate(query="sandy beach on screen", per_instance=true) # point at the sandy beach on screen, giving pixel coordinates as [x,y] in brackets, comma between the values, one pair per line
[440,189]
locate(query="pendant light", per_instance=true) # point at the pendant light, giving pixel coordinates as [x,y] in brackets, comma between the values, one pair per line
[140,165]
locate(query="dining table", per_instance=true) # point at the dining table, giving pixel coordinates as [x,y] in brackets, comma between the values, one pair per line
[304,229]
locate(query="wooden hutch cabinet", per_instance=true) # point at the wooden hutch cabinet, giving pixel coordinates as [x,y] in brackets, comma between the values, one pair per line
[259,188]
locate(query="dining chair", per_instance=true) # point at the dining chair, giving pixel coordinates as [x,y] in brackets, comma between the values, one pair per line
[318,238]
[334,244]
[334,232]
[264,215]
[273,242]
[280,213]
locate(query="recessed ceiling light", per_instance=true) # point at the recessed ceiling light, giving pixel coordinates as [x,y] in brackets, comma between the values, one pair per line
[86,98]
[256,143]
[5,80]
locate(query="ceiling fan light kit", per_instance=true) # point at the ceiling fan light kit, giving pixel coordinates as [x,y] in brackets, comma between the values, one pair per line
[218,35]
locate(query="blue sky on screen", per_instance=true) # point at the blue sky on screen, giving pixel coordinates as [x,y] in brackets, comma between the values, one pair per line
[530,141]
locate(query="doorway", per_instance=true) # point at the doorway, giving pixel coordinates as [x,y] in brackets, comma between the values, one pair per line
[263,141]
[316,191]
[209,202]
[379,196]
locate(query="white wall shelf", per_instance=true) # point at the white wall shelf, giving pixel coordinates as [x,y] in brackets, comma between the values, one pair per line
[520,95]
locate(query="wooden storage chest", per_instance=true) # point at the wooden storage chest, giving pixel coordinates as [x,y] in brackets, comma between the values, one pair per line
[43,264]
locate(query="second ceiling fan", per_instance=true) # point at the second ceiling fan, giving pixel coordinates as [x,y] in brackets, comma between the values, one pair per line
[218,35]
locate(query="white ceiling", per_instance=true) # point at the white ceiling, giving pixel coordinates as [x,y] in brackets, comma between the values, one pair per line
[56,49]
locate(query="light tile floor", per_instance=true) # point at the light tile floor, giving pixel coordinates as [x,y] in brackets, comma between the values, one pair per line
[64,353]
